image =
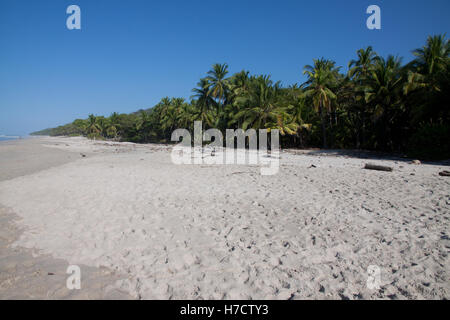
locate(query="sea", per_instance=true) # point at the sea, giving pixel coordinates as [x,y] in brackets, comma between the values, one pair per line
[5,138]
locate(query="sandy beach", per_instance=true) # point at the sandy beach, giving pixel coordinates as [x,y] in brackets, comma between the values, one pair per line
[141,227]
[24,273]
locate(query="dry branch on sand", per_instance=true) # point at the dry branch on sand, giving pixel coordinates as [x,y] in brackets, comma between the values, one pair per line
[370,166]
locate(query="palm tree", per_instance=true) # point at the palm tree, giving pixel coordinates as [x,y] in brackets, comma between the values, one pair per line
[434,57]
[143,126]
[283,121]
[218,84]
[113,127]
[428,80]
[358,72]
[360,68]
[383,83]
[165,102]
[81,125]
[321,77]
[383,95]
[238,85]
[258,108]
[94,129]
[297,108]
[203,95]
[169,115]
[186,115]
[430,61]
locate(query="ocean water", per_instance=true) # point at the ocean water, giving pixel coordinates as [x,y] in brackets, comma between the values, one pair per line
[7,138]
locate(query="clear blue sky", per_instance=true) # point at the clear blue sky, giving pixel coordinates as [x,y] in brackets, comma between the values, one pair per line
[129,54]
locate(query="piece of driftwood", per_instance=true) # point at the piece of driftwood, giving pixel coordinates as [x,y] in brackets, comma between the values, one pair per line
[444,173]
[370,166]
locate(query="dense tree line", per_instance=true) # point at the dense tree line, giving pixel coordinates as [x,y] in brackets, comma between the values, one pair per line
[380,104]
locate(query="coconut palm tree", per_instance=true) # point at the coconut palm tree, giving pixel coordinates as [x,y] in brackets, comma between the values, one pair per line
[203,95]
[113,125]
[81,125]
[358,72]
[434,57]
[186,115]
[283,121]
[258,107]
[429,79]
[383,94]
[383,84]
[360,68]
[431,60]
[218,84]
[169,115]
[238,85]
[94,129]
[321,77]
[144,126]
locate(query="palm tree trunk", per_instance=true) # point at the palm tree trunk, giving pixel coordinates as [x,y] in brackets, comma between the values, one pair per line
[363,138]
[324,134]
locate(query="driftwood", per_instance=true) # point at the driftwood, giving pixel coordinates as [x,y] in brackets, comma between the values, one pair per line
[444,173]
[369,166]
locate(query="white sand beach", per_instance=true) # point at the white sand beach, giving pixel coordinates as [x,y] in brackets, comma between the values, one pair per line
[163,231]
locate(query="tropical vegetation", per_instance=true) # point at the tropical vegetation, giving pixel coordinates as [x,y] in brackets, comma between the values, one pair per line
[379,104]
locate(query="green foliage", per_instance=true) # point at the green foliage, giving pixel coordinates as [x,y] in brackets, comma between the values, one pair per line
[379,104]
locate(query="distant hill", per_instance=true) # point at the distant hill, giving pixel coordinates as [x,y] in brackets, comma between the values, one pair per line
[72,129]
[45,132]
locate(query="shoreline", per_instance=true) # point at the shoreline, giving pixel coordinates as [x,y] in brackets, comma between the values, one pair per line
[25,273]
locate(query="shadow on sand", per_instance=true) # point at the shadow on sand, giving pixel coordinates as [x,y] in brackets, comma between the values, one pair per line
[362,154]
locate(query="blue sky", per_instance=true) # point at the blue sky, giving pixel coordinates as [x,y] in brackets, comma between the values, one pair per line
[129,54]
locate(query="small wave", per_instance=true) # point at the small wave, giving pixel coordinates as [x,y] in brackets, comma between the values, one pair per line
[9,137]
